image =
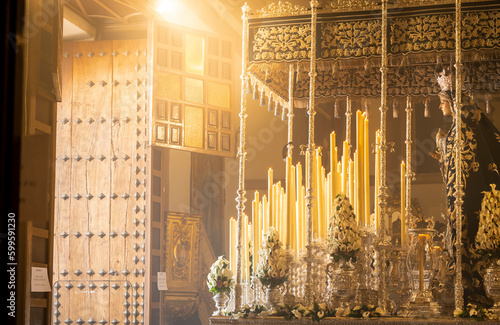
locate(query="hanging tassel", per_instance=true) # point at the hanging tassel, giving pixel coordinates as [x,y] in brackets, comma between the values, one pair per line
[335,68]
[395,112]
[488,104]
[336,113]
[283,114]
[367,109]
[367,67]
[255,91]
[401,69]
[276,110]
[262,98]
[249,89]
[439,66]
[427,113]
[269,104]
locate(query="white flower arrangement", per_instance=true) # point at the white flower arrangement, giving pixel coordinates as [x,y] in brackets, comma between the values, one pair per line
[476,312]
[344,241]
[488,234]
[272,269]
[220,279]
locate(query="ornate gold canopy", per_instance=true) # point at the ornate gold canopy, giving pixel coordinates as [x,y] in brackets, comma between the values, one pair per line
[348,42]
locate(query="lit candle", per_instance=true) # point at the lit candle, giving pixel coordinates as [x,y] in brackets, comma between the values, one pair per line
[354,198]
[276,207]
[256,226]
[351,180]
[265,219]
[283,212]
[300,208]
[261,223]
[345,167]
[323,198]
[232,244]
[333,154]
[303,217]
[359,177]
[366,173]
[288,191]
[329,198]
[270,197]
[315,196]
[292,213]
[403,204]
[244,261]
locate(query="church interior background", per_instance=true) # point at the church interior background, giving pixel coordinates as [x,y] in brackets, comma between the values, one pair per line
[127,126]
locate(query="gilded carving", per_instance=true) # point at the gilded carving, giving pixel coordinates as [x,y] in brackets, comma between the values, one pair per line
[281,43]
[481,30]
[351,39]
[181,251]
[422,33]
[281,9]
[362,38]
[180,307]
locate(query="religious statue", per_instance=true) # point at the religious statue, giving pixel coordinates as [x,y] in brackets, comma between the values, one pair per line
[480,157]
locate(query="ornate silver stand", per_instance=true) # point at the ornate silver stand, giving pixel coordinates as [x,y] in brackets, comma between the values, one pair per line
[492,285]
[421,268]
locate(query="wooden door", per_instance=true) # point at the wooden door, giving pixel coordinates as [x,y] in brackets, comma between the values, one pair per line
[100,218]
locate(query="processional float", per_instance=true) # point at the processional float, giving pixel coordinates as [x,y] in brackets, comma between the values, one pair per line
[295,57]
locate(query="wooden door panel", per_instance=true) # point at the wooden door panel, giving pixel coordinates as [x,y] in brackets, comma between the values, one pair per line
[101,213]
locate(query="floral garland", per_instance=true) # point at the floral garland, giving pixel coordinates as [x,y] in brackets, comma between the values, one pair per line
[488,234]
[474,311]
[316,311]
[273,268]
[220,279]
[344,241]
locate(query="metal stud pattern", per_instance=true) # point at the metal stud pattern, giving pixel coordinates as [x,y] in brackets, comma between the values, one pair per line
[85,116]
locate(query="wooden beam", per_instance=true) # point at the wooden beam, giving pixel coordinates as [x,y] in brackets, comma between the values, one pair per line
[81,22]
[111,11]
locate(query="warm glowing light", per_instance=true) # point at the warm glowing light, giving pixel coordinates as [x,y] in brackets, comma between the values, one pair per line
[166,6]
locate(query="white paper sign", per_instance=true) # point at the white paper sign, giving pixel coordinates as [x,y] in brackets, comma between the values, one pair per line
[39,280]
[161,280]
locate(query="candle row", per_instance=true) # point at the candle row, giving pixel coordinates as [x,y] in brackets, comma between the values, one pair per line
[284,208]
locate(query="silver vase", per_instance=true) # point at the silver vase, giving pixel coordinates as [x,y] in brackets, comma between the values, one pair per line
[220,302]
[492,284]
[343,283]
[273,297]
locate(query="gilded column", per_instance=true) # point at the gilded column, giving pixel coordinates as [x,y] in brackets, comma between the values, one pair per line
[382,298]
[459,290]
[409,174]
[311,151]
[291,82]
[238,292]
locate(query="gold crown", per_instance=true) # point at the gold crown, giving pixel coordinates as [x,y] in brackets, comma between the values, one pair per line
[444,81]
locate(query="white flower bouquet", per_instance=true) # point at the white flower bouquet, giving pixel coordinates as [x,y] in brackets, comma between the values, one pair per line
[488,234]
[272,269]
[344,241]
[220,279]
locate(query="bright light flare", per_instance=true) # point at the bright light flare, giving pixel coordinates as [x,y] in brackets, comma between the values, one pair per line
[167,7]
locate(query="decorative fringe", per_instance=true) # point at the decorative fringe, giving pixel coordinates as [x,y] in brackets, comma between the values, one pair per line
[427,112]
[367,108]
[336,108]
[395,111]
[488,104]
